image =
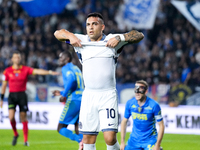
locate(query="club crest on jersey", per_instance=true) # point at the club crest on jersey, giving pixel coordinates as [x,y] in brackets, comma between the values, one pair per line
[139,109]
[16,74]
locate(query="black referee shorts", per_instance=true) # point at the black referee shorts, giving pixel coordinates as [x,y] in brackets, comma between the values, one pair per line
[20,99]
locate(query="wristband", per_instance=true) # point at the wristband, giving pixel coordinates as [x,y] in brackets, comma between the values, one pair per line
[67,41]
[122,37]
[50,71]
[2,97]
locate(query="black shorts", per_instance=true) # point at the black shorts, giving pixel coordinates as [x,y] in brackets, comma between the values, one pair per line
[18,98]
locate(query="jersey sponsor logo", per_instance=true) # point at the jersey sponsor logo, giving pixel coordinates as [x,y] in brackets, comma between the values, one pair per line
[139,116]
[17,71]
[148,108]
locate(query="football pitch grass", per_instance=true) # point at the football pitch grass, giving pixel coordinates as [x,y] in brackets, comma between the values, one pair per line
[51,140]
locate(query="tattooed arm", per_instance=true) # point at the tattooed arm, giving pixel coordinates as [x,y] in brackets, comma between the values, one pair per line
[133,36]
[63,35]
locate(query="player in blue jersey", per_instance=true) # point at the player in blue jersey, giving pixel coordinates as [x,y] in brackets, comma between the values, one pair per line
[72,94]
[144,112]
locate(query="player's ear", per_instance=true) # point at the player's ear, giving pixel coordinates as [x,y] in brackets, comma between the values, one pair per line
[103,27]
[146,92]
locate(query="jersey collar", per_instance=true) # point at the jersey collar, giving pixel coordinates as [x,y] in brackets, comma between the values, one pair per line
[68,64]
[103,38]
[146,102]
[20,67]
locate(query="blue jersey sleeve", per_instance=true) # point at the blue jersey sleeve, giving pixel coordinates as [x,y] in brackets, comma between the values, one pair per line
[68,83]
[127,112]
[157,113]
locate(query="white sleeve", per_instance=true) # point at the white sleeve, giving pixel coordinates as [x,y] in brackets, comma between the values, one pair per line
[83,38]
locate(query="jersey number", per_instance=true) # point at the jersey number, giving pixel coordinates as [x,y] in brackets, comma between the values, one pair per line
[110,113]
[79,80]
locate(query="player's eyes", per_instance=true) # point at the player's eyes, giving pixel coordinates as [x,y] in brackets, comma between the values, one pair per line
[95,23]
[142,87]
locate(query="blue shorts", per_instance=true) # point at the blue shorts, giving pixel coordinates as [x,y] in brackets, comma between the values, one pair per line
[70,113]
[148,145]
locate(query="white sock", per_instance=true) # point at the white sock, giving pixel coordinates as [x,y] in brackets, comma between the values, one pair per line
[89,146]
[113,147]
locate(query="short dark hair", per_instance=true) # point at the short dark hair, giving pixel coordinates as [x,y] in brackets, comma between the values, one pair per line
[96,14]
[143,82]
[16,52]
[67,54]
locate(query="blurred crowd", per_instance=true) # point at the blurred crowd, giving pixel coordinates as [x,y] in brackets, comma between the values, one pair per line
[169,53]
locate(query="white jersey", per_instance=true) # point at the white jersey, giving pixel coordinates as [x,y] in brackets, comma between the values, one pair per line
[98,62]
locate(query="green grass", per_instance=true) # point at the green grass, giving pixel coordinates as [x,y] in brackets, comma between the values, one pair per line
[51,140]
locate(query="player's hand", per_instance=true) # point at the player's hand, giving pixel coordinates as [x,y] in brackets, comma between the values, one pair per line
[122,146]
[156,147]
[75,42]
[56,93]
[113,42]
[63,99]
[55,73]
[1,103]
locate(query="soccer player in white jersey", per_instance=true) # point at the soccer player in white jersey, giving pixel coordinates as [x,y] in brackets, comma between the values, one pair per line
[98,53]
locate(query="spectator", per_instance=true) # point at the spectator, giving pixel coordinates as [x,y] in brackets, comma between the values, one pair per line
[167,44]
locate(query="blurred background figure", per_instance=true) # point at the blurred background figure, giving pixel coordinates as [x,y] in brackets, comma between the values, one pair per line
[168,45]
